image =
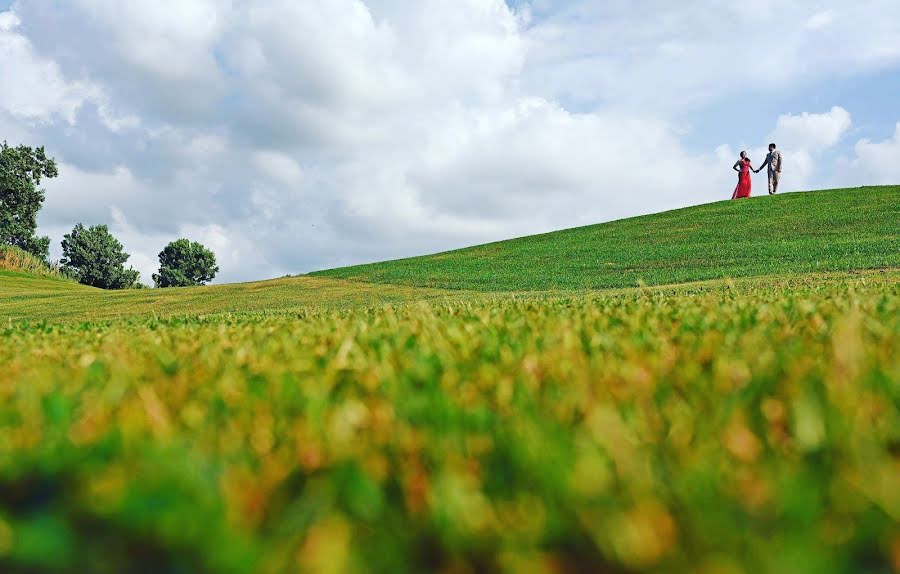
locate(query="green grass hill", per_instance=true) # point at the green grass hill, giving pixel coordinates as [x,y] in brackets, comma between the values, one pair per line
[28,298]
[484,410]
[836,230]
[824,231]
[31,291]
[16,262]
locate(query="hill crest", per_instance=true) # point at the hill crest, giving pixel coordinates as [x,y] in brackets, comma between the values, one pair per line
[830,230]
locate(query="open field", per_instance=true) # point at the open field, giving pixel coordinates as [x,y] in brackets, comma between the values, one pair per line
[320,424]
[737,427]
[31,299]
[835,230]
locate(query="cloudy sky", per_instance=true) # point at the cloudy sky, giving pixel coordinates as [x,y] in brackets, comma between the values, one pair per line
[294,135]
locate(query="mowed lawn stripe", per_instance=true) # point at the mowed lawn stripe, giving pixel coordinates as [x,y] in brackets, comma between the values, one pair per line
[30,299]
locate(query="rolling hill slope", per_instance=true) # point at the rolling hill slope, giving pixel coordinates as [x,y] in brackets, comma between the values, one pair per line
[839,230]
[27,298]
[257,431]
[31,292]
[835,230]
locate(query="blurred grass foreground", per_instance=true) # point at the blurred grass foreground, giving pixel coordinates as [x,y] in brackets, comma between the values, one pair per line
[731,427]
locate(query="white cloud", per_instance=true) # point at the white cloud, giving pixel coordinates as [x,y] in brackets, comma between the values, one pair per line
[159,57]
[667,56]
[79,195]
[166,39]
[812,132]
[33,88]
[875,163]
[822,19]
[298,135]
[534,160]
[278,167]
[116,123]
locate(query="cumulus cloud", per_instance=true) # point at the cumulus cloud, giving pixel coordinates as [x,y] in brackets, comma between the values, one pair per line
[669,56]
[812,132]
[32,88]
[535,160]
[291,136]
[874,163]
[159,57]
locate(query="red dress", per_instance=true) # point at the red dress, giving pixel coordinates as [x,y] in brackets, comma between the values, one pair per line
[744,183]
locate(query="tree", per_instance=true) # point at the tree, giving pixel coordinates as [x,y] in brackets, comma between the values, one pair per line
[94,257]
[21,170]
[184,263]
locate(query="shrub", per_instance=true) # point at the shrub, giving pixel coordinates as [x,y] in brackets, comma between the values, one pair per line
[96,258]
[184,263]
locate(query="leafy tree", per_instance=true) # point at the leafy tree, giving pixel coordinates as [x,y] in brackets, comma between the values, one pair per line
[94,257]
[183,263]
[21,170]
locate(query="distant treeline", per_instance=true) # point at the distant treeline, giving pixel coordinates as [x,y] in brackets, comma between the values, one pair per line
[91,255]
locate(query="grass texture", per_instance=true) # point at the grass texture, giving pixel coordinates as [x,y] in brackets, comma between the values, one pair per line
[835,230]
[733,427]
[24,298]
[463,420]
[15,262]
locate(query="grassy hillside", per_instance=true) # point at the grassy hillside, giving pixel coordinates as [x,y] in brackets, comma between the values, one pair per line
[320,424]
[725,427]
[31,299]
[800,232]
[17,263]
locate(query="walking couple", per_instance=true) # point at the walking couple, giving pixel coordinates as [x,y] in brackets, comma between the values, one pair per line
[743,167]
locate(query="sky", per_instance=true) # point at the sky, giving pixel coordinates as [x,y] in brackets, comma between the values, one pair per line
[294,136]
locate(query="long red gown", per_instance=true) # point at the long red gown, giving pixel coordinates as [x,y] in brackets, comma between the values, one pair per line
[744,181]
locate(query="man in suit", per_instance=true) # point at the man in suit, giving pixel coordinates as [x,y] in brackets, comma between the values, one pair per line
[773,160]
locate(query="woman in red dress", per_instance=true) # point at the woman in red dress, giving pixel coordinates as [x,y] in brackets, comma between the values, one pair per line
[742,166]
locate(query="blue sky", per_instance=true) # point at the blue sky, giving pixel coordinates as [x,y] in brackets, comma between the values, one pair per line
[292,136]
[870,97]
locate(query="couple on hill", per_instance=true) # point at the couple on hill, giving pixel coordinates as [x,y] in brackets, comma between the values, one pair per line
[744,167]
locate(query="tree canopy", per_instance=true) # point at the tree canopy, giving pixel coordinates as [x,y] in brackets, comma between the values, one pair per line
[184,263]
[21,170]
[96,258]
